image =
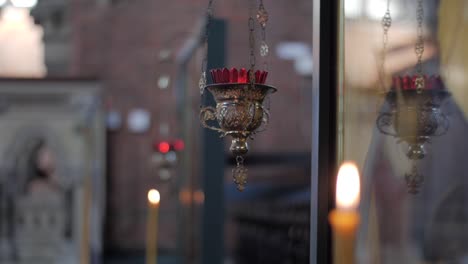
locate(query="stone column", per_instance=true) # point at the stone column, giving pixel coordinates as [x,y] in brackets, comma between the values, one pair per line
[53,16]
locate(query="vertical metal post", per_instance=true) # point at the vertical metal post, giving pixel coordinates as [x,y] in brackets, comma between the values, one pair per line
[324,129]
[213,161]
[315,133]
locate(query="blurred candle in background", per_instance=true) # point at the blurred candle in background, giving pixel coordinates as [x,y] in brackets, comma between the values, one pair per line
[152,227]
[345,219]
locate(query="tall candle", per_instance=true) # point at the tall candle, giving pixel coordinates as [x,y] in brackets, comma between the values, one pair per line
[152,227]
[345,219]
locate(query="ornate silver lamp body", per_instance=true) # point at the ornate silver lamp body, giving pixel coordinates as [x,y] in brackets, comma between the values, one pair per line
[239,113]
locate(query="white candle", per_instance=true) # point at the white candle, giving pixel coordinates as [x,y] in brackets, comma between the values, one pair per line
[345,219]
[348,187]
[152,227]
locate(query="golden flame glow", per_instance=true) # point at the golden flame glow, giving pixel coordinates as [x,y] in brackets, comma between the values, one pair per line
[154,197]
[348,187]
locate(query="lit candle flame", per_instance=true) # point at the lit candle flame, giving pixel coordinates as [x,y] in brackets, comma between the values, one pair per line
[154,196]
[348,187]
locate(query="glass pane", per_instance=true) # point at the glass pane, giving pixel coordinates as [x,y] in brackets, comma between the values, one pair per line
[405,125]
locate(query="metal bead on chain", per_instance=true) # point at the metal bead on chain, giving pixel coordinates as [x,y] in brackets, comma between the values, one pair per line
[387,20]
[264,49]
[386,24]
[419,48]
[262,15]
[202,82]
[262,18]
[419,83]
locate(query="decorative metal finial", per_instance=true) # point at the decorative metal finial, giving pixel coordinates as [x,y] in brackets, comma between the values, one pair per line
[414,180]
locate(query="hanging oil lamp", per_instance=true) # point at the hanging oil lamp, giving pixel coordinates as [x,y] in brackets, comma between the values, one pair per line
[239,95]
[414,115]
[414,118]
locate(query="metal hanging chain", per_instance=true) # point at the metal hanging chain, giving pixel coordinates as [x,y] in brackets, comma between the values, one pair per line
[419,47]
[262,18]
[209,16]
[252,44]
[386,24]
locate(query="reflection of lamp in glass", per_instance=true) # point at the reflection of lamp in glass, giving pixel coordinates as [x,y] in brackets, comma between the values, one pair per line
[414,116]
[239,96]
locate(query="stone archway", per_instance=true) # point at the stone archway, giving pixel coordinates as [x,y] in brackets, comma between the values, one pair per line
[38,220]
[24,141]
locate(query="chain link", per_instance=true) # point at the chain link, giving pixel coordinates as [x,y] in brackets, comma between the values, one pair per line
[202,82]
[386,24]
[252,44]
[240,160]
[262,18]
[209,17]
[419,47]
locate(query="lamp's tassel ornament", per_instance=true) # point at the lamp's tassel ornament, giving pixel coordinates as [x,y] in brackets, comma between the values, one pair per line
[414,180]
[239,174]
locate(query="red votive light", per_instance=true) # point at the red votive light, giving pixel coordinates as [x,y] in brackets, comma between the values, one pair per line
[407,82]
[233,75]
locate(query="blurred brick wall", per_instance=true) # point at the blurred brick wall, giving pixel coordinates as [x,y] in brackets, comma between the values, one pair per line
[119,43]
